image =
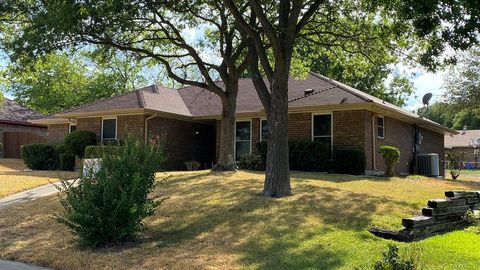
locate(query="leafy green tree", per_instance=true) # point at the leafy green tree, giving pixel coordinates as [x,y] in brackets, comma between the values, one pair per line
[462,83]
[365,62]
[448,115]
[439,112]
[59,81]
[146,29]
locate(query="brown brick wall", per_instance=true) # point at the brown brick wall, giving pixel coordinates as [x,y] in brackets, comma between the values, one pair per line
[255,133]
[182,142]
[433,142]
[91,124]
[130,125]
[300,126]
[398,134]
[56,133]
[349,129]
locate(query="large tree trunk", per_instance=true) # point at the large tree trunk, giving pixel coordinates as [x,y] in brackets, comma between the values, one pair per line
[277,178]
[226,157]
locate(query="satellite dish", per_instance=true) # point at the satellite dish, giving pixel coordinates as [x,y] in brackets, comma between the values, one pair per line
[426,98]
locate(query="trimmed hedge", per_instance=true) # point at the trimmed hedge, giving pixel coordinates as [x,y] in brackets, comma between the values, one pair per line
[76,142]
[349,161]
[316,156]
[98,151]
[39,156]
[303,155]
[67,162]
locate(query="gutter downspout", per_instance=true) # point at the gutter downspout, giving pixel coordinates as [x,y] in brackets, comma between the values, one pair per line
[374,163]
[146,125]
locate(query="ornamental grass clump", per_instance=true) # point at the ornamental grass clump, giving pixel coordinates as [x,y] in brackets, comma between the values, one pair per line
[391,156]
[108,207]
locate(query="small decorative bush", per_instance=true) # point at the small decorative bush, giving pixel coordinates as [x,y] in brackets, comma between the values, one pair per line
[349,161]
[98,151]
[66,162]
[108,207]
[250,162]
[393,261]
[303,155]
[192,165]
[40,156]
[454,163]
[76,142]
[391,156]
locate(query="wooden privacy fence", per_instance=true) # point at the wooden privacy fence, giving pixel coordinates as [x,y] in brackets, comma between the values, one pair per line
[13,141]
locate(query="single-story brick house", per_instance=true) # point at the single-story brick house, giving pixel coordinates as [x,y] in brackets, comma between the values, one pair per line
[320,109]
[468,143]
[15,130]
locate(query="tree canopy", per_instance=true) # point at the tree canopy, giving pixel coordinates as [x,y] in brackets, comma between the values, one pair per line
[61,80]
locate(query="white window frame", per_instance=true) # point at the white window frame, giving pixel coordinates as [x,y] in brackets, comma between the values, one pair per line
[331,127]
[261,119]
[70,127]
[116,128]
[378,126]
[235,142]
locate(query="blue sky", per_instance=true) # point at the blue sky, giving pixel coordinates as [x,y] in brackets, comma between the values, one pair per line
[425,82]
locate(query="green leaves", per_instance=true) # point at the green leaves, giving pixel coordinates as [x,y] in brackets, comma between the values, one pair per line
[60,81]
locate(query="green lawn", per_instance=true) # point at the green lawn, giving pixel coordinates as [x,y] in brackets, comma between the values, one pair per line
[218,221]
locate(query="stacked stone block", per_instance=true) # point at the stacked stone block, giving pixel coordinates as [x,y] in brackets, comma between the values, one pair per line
[441,215]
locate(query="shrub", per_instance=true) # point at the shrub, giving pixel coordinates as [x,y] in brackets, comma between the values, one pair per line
[391,156]
[76,142]
[473,218]
[393,261]
[351,161]
[250,162]
[454,163]
[193,165]
[40,156]
[66,162]
[303,155]
[109,206]
[98,151]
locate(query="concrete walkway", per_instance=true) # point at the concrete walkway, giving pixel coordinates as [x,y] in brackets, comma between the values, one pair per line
[8,265]
[30,195]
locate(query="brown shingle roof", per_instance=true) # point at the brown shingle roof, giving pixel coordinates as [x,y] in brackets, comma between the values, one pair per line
[204,103]
[12,111]
[197,102]
[151,97]
[463,139]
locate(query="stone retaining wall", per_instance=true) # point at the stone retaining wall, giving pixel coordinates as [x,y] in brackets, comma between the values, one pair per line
[441,215]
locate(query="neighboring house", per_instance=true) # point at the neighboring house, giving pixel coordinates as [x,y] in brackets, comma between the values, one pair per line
[467,142]
[15,130]
[320,109]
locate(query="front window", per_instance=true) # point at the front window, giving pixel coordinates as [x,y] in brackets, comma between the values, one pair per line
[263,130]
[322,128]
[72,128]
[242,139]
[380,127]
[109,129]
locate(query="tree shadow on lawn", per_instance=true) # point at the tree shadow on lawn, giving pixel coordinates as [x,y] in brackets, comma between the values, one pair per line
[211,216]
[267,233]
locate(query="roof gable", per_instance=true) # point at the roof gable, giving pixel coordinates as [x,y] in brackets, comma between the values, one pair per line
[12,111]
